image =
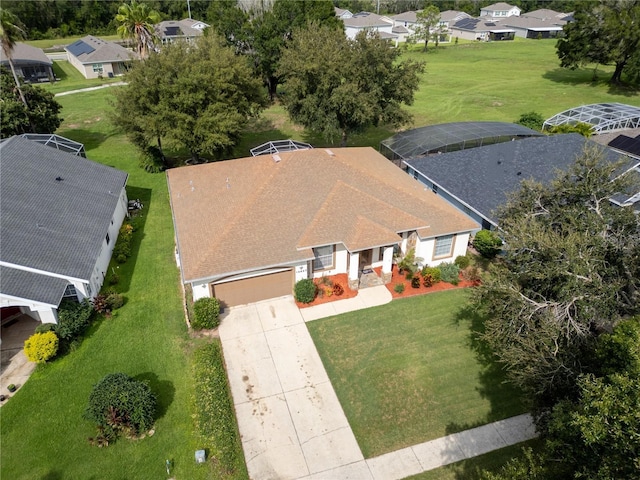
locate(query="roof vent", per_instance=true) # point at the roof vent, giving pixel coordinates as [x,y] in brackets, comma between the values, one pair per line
[519,173]
[276,158]
[329,152]
[59,179]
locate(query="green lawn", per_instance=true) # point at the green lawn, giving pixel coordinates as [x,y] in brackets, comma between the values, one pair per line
[43,432]
[60,43]
[407,372]
[72,79]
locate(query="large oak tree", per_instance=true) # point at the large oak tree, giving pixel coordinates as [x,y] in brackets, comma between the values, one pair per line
[336,86]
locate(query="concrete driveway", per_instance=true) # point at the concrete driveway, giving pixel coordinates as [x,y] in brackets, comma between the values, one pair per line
[291,423]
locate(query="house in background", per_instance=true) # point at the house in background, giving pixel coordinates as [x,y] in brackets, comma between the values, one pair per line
[404,25]
[30,63]
[95,58]
[480,29]
[61,215]
[539,24]
[369,22]
[499,11]
[186,29]
[448,18]
[248,229]
[342,13]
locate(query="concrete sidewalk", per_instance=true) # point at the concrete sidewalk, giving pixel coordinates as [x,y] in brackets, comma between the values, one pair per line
[90,89]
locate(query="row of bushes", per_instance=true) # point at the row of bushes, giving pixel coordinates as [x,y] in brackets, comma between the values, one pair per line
[445,272]
[306,290]
[122,250]
[214,418]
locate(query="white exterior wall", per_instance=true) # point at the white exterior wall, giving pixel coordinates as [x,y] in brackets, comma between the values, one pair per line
[87,69]
[351,32]
[40,311]
[200,291]
[341,259]
[424,249]
[467,35]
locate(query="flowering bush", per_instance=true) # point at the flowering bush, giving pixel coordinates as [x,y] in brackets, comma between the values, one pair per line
[40,347]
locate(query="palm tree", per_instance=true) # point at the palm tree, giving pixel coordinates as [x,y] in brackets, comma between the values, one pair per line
[136,23]
[10,33]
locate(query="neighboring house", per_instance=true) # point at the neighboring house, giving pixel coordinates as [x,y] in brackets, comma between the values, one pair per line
[342,13]
[186,29]
[94,57]
[404,25]
[500,10]
[248,229]
[449,17]
[369,22]
[61,215]
[480,29]
[477,180]
[30,63]
[538,24]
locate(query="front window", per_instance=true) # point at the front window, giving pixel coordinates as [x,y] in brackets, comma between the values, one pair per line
[323,258]
[444,246]
[97,68]
[70,293]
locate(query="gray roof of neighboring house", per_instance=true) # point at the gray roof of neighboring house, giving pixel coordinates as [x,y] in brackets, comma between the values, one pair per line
[178,29]
[545,13]
[500,6]
[409,16]
[482,177]
[532,23]
[32,286]
[479,25]
[56,207]
[399,29]
[451,15]
[23,54]
[91,49]
[364,20]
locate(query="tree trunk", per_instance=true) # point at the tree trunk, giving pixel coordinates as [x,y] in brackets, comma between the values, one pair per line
[17,80]
[426,41]
[617,74]
[272,87]
[343,141]
[164,159]
[195,157]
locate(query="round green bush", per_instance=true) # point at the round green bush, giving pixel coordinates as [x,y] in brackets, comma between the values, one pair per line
[433,273]
[115,301]
[121,404]
[40,347]
[487,243]
[449,273]
[305,290]
[462,261]
[206,313]
[398,288]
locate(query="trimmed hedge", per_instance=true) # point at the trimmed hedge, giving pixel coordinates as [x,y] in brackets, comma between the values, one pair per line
[206,313]
[40,347]
[214,418]
[73,319]
[462,261]
[305,291]
[487,243]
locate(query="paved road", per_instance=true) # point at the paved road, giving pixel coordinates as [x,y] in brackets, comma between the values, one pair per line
[291,422]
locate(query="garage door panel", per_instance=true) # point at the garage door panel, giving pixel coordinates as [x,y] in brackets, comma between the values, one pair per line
[254,289]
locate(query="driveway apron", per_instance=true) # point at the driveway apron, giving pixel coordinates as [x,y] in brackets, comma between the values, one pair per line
[290,420]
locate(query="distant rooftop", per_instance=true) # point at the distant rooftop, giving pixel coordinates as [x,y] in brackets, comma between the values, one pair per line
[605,117]
[57,142]
[279,146]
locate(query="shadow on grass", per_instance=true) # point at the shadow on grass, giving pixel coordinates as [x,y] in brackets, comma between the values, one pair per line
[52,475]
[59,73]
[89,138]
[587,76]
[163,389]
[505,400]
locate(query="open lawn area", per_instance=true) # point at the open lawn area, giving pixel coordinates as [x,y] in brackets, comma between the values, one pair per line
[44,435]
[407,372]
[58,44]
[72,79]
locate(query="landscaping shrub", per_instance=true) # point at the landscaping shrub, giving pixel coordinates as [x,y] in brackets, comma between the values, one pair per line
[100,303]
[206,313]
[532,120]
[462,261]
[487,243]
[46,327]
[449,273]
[472,274]
[120,404]
[214,418]
[122,250]
[152,160]
[433,273]
[305,291]
[409,263]
[114,301]
[40,347]
[427,280]
[338,289]
[415,282]
[73,319]
[399,288]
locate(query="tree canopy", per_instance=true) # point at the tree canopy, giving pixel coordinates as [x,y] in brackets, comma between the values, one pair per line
[571,270]
[336,86]
[41,116]
[189,96]
[427,21]
[10,33]
[603,32]
[135,23]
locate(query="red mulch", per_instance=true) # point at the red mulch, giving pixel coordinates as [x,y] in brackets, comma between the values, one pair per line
[409,291]
[321,298]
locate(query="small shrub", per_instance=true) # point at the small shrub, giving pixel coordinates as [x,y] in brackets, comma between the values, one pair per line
[100,303]
[152,160]
[328,291]
[120,404]
[449,273]
[532,120]
[73,319]
[114,279]
[427,280]
[326,281]
[338,289]
[472,274]
[40,347]
[433,273]
[115,301]
[305,290]
[399,288]
[415,282]
[46,327]
[206,313]
[487,243]
[122,250]
[462,261]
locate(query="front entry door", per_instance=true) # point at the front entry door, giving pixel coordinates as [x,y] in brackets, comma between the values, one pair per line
[365,259]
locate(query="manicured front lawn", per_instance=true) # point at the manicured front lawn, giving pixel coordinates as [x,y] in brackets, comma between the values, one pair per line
[72,79]
[406,372]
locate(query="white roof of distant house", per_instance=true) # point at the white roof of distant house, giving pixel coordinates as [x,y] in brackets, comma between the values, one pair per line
[452,15]
[23,53]
[366,19]
[91,49]
[500,6]
[409,16]
[545,14]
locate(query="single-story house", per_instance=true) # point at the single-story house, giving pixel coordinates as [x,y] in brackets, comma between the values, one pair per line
[480,29]
[94,57]
[248,229]
[500,10]
[370,22]
[61,215]
[342,13]
[477,180]
[185,29]
[449,17]
[30,63]
[532,26]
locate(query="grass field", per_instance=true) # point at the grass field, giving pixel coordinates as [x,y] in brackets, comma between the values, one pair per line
[406,372]
[72,79]
[60,43]
[43,432]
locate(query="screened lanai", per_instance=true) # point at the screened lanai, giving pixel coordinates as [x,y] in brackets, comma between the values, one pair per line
[56,141]
[605,117]
[450,137]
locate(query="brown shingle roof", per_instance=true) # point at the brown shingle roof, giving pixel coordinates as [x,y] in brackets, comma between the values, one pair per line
[251,213]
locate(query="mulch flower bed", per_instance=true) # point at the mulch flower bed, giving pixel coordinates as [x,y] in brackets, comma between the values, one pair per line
[324,288]
[409,291]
